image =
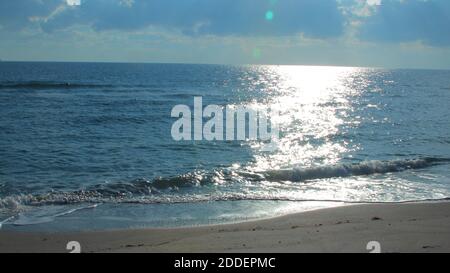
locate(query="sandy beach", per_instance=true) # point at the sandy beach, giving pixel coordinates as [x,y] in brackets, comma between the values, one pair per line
[409,227]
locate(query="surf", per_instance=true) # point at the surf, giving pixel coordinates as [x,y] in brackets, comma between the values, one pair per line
[171,189]
[346,170]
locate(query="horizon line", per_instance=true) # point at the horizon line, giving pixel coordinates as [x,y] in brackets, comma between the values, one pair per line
[223,64]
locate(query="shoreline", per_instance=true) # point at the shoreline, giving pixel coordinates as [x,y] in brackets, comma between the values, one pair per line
[399,227]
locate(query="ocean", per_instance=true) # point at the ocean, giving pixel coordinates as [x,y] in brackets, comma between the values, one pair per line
[87,146]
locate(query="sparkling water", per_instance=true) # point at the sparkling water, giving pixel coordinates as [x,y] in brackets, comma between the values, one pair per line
[89,145]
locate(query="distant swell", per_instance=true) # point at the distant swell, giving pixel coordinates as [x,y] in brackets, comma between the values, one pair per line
[168,190]
[36,85]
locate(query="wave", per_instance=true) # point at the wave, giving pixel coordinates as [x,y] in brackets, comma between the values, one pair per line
[46,216]
[346,170]
[167,190]
[5,221]
[42,216]
[36,85]
[49,214]
[93,202]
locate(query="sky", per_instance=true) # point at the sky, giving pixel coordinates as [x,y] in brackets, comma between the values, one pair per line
[379,33]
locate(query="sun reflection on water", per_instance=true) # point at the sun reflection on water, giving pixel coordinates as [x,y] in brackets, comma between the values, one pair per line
[312,103]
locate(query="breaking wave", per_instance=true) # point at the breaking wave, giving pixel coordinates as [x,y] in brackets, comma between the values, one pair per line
[346,170]
[161,190]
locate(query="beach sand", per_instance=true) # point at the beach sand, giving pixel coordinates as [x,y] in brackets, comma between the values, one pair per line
[409,227]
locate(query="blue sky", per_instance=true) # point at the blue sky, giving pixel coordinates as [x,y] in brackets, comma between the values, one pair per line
[388,33]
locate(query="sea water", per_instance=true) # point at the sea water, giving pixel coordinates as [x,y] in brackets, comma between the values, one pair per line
[89,145]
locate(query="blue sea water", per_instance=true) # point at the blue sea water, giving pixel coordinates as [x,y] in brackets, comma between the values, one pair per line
[89,145]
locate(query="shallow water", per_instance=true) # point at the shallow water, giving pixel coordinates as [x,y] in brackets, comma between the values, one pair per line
[84,143]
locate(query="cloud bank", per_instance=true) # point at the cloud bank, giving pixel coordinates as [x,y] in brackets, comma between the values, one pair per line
[387,21]
[393,33]
[313,18]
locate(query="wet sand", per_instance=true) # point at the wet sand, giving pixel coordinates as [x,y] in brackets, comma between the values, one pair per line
[411,227]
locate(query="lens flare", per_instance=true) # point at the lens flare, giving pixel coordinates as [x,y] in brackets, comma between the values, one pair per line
[269,15]
[256,53]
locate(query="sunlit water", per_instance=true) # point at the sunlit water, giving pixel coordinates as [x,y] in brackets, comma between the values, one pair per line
[89,145]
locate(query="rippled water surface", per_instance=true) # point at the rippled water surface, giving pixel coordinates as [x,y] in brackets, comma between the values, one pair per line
[89,145]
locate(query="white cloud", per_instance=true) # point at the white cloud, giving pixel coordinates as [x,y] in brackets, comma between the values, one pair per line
[373,2]
[126,3]
[365,8]
[73,2]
